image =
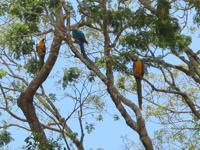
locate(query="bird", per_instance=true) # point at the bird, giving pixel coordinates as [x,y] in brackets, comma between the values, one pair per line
[41,50]
[80,39]
[138,73]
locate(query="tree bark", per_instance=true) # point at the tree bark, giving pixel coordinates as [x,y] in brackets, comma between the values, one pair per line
[25,102]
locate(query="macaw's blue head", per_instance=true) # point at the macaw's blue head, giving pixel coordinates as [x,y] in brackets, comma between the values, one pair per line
[78,35]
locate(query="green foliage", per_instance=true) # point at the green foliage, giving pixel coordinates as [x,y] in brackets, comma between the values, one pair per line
[178,43]
[32,143]
[32,66]
[119,60]
[141,21]
[163,7]
[126,18]
[3,8]
[139,40]
[72,135]
[196,5]
[152,111]
[18,40]
[52,96]
[53,4]
[117,19]
[116,117]
[96,101]
[91,77]
[125,55]
[99,117]
[121,82]
[100,62]
[29,11]
[2,73]
[140,34]
[5,138]
[89,127]
[91,8]
[167,27]
[197,18]
[70,75]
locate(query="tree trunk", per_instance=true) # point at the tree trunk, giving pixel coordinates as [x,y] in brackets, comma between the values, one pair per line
[145,139]
[25,102]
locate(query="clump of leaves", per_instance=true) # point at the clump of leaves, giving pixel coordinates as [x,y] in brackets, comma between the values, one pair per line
[32,66]
[18,40]
[96,101]
[99,117]
[89,127]
[121,82]
[52,96]
[3,7]
[91,76]
[116,117]
[92,9]
[100,61]
[72,135]
[29,11]
[2,73]
[5,138]
[70,75]
[32,143]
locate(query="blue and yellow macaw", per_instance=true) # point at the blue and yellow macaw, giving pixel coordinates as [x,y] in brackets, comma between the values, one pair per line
[80,39]
[138,73]
[41,50]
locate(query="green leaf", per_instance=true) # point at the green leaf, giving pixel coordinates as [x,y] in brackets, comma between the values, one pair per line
[71,75]
[32,66]
[99,117]
[18,40]
[121,82]
[89,127]
[5,138]
[2,73]
[116,117]
[96,101]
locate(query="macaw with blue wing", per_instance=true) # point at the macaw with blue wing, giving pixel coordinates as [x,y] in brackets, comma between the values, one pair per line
[41,51]
[80,39]
[138,73]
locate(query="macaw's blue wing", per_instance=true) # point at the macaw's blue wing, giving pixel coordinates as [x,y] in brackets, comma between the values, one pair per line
[80,38]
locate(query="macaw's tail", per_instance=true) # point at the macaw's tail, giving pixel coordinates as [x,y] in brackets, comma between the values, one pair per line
[139,92]
[41,61]
[83,49]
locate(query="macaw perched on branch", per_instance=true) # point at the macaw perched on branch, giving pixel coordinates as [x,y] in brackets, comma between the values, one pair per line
[80,39]
[41,50]
[138,72]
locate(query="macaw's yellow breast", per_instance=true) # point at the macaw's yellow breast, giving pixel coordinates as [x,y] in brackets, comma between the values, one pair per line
[138,68]
[40,45]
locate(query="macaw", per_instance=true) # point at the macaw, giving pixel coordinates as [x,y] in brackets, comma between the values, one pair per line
[41,50]
[138,72]
[80,39]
